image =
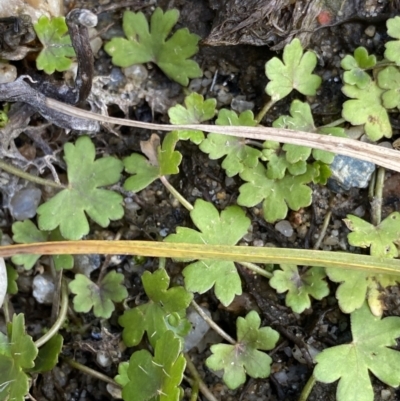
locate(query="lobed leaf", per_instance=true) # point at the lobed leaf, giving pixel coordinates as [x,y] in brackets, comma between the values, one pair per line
[368,352]
[150,44]
[165,310]
[100,296]
[67,210]
[225,228]
[300,287]
[295,72]
[57,48]
[244,357]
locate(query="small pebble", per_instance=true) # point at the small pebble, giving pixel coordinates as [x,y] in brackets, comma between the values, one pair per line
[240,104]
[199,328]
[43,289]
[24,203]
[136,72]
[8,73]
[285,228]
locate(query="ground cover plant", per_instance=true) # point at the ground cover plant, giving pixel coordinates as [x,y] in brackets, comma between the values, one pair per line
[275,177]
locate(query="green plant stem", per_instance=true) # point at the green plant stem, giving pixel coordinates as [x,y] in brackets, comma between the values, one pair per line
[264,110]
[195,391]
[256,269]
[176,194]
[307,388]
[193,371]
[61,317]
[333,123]
[212,324]
[91,372]
[323,230]
[29,177]
[376,216]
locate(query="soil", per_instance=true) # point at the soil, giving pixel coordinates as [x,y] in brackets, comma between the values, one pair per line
[233,65]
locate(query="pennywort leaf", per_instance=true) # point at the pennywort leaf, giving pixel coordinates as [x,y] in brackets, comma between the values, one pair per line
[245,356]
[368,352]
[101,296]
[67,210]
[165,310]
[225,228]
[57,49]
[154,44]
[295,72]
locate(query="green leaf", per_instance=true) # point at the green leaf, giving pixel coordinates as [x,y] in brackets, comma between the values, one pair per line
[294,73]
[161,160]
[355,286]
[393,47]
[277,195]
[299,286]
[48,355]
[226,228]
[122,377]
[277,162]
[245,357]
[25,232]
[153,317]
[56,43]
[389,79]
[366,108]
[368,352]
[197,110]
[323,155]
[144,45]
[12,276]
[85,176]
[156,378]
[239,156]
[3,281]
[381,238]
[355,66]
[17,353]
[100,296]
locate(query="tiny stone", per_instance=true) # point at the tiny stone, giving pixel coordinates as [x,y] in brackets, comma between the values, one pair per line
[103,359]
[385,394]
[24,203]
[285,228]
[240,104]
[136,72]
[43,289]
[8,73]
[370,31]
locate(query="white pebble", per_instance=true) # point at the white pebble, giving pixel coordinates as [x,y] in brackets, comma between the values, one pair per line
[284,227]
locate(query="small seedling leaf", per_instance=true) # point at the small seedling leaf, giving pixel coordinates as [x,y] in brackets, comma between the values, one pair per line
[161,160]
[100,296]
[366,109]
[153,317]
[295,72]
[156,378]
[389,79]
[368,352]
[393,47]
[122,377]
[381,239]
[239,156]
[276,195]
[57,48]
[17,353]
[355,66]
[85,175]
[48,355]
[244,357]
[299,286]
[196,111]
[25,232]
[225,228]
[145,45]
[356,286]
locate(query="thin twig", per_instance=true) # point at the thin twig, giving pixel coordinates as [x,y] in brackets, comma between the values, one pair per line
[382,156]
[212,324]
